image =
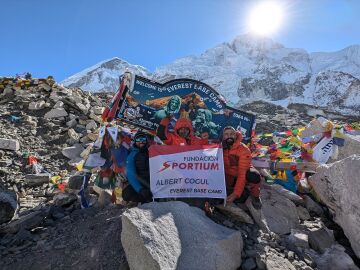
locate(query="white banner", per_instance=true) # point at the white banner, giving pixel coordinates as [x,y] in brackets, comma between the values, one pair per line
[323,150]
[195,171]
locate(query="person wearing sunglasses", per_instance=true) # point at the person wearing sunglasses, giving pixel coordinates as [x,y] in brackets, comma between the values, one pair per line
[137,171]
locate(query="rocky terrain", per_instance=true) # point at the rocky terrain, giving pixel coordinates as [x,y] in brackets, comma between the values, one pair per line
[55,124]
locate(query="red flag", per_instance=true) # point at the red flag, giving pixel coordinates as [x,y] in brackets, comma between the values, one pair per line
[32,160]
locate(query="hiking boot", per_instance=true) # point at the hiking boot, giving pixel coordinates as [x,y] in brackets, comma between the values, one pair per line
[209,209]
[256,202]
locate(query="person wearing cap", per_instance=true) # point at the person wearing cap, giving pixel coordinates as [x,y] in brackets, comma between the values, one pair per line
[183,133]
[241,178]
[137,171]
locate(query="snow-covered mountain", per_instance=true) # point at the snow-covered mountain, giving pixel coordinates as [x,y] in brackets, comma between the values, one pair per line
[252,68]
[104,76]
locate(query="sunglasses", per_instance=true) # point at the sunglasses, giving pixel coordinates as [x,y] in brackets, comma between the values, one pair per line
[141,140]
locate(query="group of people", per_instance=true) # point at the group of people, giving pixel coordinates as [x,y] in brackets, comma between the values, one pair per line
[242,180]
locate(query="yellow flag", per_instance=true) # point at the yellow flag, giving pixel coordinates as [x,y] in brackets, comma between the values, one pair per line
[80,165]
[55,179]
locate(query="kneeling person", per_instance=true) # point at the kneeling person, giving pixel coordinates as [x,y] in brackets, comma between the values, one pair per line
[241,178]
[137,171]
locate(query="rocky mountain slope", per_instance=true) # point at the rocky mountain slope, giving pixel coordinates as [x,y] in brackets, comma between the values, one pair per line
[252,68]
[51,231]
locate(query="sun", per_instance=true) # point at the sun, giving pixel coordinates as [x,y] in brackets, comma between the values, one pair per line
[266,18]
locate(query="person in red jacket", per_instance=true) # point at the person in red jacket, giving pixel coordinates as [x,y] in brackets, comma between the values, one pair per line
[240,177]
[183,133]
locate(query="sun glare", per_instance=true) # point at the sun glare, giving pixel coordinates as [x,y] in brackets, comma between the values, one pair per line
[265,18]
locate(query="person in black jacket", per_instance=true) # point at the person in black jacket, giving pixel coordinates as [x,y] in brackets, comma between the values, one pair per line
[137,171]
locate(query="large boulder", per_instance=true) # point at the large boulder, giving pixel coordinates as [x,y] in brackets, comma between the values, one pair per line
[173,235]
[351,147]
[73,152]
[8,206]
[235,212]
[334,258]
[56,113]
[285,193]
[337,185]
[276,262]
[321,239]
[278,214]
[9,144]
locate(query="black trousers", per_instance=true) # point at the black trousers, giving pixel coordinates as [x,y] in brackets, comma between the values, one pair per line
[252,185]
[129,194]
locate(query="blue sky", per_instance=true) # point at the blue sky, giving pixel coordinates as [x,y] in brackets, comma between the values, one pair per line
[62,37]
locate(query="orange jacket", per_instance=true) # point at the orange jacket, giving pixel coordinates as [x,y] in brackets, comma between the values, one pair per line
[237,161]
[173,138]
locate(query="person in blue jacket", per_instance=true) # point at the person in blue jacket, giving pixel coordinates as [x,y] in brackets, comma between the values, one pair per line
[137,171]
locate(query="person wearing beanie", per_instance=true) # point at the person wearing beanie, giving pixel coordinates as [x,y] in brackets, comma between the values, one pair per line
[137,171]
[241,178]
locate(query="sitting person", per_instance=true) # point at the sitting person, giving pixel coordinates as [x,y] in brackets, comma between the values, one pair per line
[241,178]
[137,171]
[182,135]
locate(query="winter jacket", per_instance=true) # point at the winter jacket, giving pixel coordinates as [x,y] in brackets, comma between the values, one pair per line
[173,138]
[131,170]
[237,161]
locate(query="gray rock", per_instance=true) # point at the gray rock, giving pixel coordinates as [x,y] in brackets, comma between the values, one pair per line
[75,181]
[5,162]
[321,239]
[59,104]
[334,258]
[351,147]
[286,193]
[261,262]
[64,199]
[56,212]
[73,152]
[235,212]
[72,123]
[303,213]
[8,206]
[249,264]
[36,105]
[9,144]
[228,223]
[278,214]
[337,185]
[37,179]
[21,237]
[298,239]
[8,91]
[45,87]
[26,222]
[275,262]
[82,107]
[73,135]
[308,258]
[91,125]
[312,206]
[56,113]
[104,198]
[291,255]
[172,235]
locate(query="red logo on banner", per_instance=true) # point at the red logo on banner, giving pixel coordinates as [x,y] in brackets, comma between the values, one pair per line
[165,166]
